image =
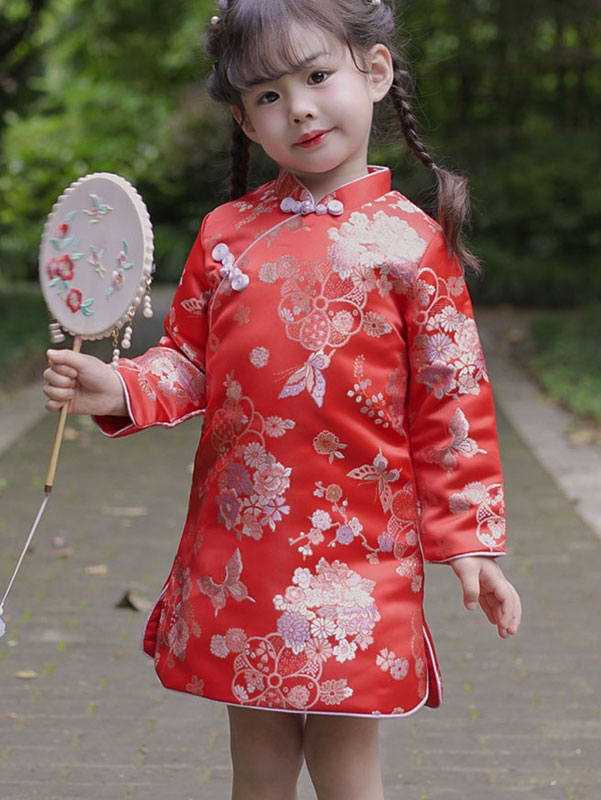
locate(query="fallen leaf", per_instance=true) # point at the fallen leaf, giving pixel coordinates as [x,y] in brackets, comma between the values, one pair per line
[135,600]
[64,552]
[96,569]
[58,541]
[27,674]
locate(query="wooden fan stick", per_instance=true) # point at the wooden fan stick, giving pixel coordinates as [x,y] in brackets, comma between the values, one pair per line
[58,438]
[60,429]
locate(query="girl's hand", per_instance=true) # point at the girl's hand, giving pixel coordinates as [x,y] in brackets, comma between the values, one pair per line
[483,581]
[90,385]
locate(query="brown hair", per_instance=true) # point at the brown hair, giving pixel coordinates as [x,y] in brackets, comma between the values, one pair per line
[252,43]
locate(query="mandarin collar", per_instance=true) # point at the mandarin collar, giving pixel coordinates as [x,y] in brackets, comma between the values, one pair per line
[353,194]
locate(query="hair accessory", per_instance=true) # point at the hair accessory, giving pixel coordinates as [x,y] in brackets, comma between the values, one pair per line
[215,20]
[374,2]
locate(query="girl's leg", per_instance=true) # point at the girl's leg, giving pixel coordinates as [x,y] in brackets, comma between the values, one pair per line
[267,753]
[342,757]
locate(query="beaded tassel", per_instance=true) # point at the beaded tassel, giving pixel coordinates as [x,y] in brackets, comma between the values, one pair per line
[147,309]
[126,341]
[56,334]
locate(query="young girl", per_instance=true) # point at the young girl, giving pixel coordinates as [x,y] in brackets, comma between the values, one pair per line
[323,329]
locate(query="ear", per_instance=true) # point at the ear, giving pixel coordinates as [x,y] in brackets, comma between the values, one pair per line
[244,122]
[380,71]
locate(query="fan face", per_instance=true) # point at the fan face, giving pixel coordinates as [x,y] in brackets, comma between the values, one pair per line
[96,255]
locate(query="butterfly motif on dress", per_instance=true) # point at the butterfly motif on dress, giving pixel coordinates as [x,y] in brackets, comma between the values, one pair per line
[378,472]
[232,585]
[461,445]
[309,377]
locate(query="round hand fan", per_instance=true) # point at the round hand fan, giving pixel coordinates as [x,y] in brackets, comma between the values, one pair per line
[96,261]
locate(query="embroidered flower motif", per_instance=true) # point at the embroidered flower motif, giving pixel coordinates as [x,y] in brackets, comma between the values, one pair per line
[177,622]
[332,693]
[490,511]
[277,427]
[259,357]
[294,630]
[376,324]
[321,520]
[272,479]
[74,300]
[219,647]
[328,444]
[195,686]
[65,269]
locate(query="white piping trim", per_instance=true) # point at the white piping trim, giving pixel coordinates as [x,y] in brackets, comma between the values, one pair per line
[434,670]
[486,553]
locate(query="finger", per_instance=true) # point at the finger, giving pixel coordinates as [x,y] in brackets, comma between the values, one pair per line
[58,394]
[486,608]
[54,378]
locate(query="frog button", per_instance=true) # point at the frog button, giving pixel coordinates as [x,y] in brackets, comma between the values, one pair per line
[240,281]
[287,205]
[220,251]
[335,208]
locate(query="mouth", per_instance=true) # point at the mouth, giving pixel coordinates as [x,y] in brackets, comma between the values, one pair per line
[312,139]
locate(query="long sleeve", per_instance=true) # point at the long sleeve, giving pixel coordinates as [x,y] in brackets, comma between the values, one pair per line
[167,384]
[451,420]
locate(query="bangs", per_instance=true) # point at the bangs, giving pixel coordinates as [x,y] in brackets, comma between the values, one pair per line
[262,45]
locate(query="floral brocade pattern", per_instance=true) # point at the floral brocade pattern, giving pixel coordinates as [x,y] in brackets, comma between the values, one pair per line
[347,420]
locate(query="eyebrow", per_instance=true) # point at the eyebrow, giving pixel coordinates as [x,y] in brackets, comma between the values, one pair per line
[304,64]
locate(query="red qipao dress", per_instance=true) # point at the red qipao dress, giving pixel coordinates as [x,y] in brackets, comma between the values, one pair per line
[348,428]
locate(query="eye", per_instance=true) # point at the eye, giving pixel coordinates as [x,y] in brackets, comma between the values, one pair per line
[267,98]
[317,77]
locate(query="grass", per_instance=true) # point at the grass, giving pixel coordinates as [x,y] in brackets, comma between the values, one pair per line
[564,352]
[23,334]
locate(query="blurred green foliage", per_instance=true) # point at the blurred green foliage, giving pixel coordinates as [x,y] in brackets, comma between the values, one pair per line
[507,92]
[563,351]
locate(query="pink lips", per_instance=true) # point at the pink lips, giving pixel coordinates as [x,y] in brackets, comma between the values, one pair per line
[312,139]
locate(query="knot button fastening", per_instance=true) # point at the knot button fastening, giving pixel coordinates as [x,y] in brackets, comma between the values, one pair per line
[238,280]
[291,206]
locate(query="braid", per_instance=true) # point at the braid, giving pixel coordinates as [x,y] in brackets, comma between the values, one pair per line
[452,191]
[239,160]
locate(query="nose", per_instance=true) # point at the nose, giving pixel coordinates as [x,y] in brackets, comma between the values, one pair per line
[301,107]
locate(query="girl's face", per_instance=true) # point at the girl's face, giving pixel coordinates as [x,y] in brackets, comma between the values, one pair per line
[316,122]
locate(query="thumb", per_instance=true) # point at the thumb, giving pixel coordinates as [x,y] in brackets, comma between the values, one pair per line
[471,590]
[469,575]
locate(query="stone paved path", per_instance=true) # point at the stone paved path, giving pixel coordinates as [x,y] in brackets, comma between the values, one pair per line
[521,718]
